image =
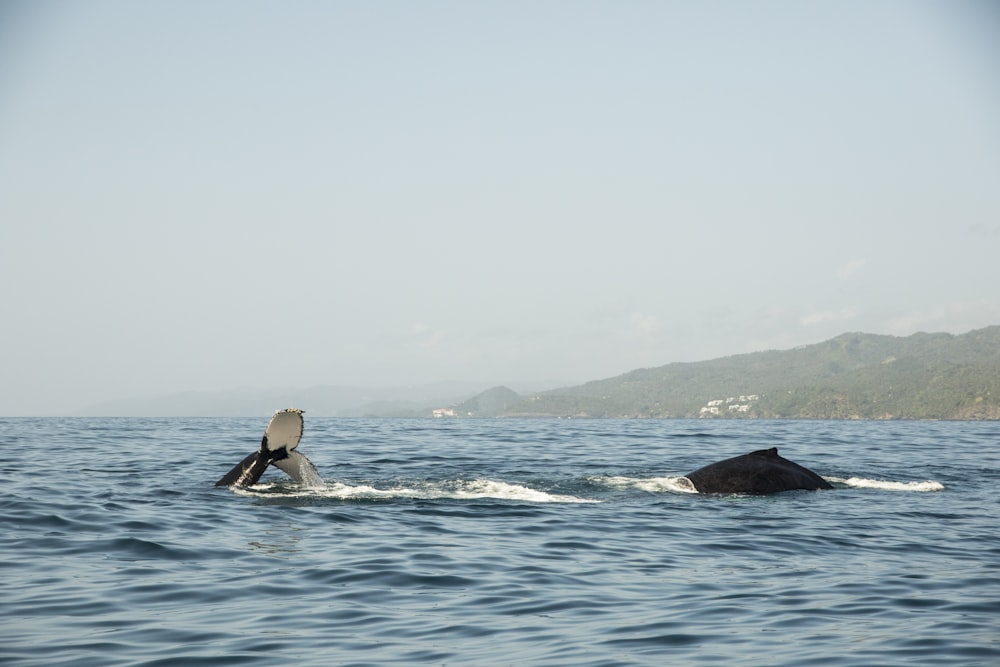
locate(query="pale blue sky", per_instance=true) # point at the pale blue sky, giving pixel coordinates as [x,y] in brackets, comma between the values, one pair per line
[217,195]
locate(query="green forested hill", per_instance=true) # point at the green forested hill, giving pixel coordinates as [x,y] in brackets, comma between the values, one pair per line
[852,376]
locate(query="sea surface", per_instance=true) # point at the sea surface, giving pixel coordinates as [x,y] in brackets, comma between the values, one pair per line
[497,542]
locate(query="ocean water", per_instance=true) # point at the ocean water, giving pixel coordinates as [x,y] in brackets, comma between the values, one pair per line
[497,542]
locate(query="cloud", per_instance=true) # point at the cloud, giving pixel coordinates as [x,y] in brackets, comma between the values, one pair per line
[426,337]
[849,269]
[984,230]
[954,317]
[824,316]
[641,325]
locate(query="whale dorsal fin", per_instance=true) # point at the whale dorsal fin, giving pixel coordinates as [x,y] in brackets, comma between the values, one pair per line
[772,452]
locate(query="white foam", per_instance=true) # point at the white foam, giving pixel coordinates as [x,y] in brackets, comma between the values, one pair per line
[862,483]
[457,490]
[648,484]
[484,488]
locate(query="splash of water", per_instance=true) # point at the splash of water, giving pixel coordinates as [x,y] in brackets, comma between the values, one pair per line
[457,490]
[648,484]
[885,485]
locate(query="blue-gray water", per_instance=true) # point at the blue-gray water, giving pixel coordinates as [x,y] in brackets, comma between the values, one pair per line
[480,542]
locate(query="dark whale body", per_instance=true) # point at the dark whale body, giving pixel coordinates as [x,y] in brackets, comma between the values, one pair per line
[762,471]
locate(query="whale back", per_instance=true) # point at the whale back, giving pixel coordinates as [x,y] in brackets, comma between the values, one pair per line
[762,471]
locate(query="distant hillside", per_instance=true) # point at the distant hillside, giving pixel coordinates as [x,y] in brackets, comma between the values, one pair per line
[852,376]
[495,401]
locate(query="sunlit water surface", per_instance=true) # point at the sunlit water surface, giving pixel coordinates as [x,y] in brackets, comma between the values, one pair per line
[482,542]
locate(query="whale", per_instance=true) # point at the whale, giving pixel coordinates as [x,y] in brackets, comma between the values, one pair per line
[760,472]
[278,447]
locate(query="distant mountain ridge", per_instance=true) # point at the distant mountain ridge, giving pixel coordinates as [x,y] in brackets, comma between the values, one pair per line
[852,376]
[320,401]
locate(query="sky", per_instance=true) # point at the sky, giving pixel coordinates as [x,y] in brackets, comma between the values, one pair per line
[206,196]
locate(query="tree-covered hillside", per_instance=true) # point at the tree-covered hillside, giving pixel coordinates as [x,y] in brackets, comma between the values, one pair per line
[852,376]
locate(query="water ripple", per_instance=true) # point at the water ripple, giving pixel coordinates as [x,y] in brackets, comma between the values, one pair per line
[498,542]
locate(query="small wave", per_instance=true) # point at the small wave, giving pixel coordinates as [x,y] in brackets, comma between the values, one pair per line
[450,490]
[862,483]
[648,484]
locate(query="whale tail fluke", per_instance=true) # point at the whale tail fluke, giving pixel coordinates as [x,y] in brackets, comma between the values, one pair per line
[300,468]
[278,447]
[247,471]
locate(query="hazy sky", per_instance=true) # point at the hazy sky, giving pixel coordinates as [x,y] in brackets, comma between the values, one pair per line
[216,195]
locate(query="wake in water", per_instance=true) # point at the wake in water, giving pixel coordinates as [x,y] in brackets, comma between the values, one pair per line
[862,483]
[447,490]
[491,489]
[684,485]
[648,484]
